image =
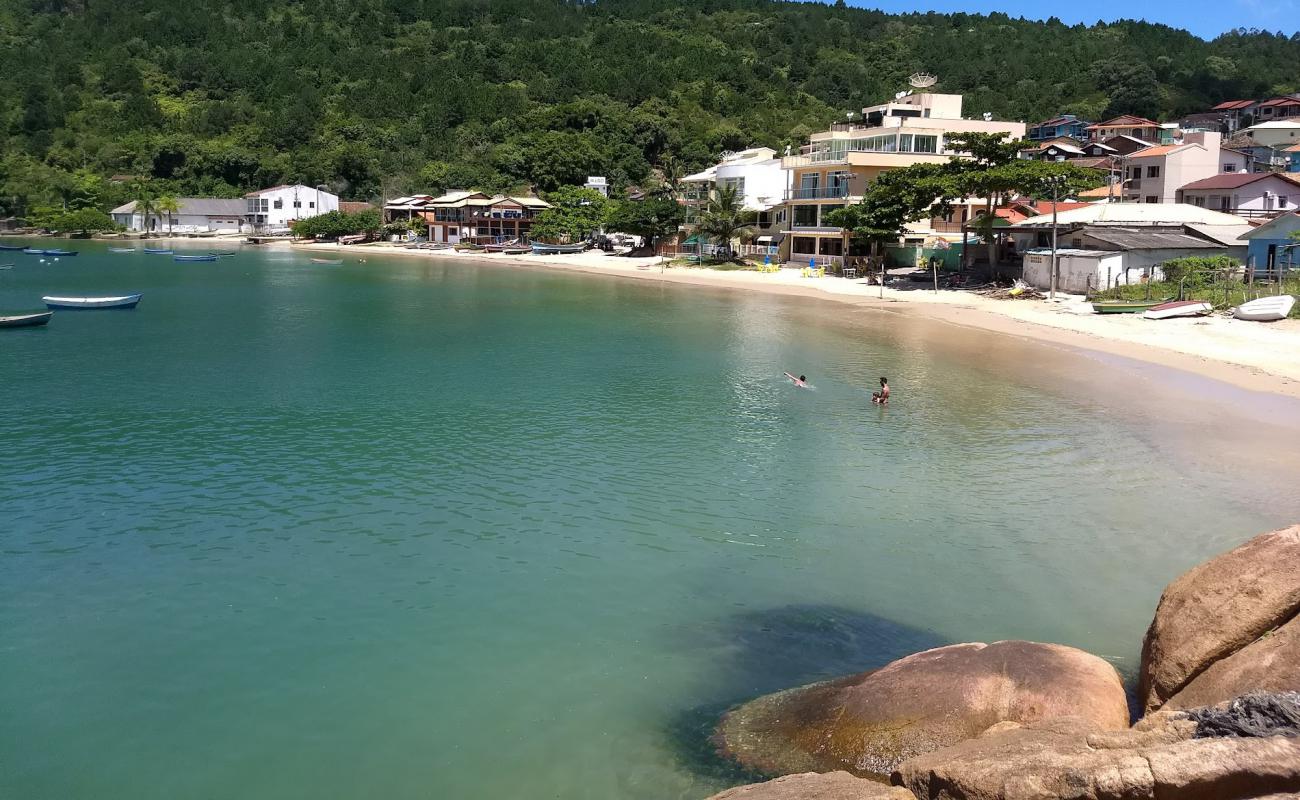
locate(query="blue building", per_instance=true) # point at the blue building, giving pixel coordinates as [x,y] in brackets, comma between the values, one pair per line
[1292,154]
[1064,125]
[1270,246]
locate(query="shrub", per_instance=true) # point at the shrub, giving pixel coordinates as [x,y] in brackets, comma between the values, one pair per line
[1197,271]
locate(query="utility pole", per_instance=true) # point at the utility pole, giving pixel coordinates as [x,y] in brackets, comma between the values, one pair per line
[1056,194]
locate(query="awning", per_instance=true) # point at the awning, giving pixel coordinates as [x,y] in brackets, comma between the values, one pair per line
[692,239]
[770,239]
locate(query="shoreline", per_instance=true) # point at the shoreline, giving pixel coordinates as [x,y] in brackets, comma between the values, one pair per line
[1259,357]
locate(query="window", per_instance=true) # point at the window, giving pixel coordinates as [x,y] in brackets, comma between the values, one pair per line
[296,204]
[1229,167]
[1282,200]
[278,203]
[1152,199]
[804,245]
[1153,172]
[805,216]
[925,144]
[1135,172]
[311,204]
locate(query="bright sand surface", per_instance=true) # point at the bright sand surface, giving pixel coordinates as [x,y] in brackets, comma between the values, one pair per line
[1263,357]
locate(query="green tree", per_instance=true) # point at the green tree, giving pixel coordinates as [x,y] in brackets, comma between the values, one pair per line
[146,202]
[651,219]
[84,220]
[725,217]
[169,205]
[575,213]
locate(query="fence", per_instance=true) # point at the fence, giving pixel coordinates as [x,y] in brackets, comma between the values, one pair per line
[1223,288]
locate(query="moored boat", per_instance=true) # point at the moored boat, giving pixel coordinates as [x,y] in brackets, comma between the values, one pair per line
[1124,306]
[221,252]
[1178,308]
[1265,309]
[158,251]
[120,301]
[32,251]
[60,252]
[13,247]
[26,320]
[543,248]
[333,262]
[194,258]
[121,250]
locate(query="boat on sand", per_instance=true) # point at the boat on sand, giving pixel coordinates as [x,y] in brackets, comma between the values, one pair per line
[1124,306]
[26,320]
[543,248]
[1265,309]
[120,301]
[1178,308]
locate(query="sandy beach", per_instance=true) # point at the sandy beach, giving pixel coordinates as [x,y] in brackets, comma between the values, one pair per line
[1255,356]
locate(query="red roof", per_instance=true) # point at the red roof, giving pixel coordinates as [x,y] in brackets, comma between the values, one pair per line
[1126,121]
[1233,105]
[1234,180]
[1064,205]
[1281,101]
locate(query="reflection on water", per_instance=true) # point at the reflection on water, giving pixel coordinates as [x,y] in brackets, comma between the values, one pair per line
[425,529]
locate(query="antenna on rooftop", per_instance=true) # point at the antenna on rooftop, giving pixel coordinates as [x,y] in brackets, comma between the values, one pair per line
[901,95]
[922,80]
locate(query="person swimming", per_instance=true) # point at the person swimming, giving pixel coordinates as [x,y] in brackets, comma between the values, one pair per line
[881,398]
[802,380]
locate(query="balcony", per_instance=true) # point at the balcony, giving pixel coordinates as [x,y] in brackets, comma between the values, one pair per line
[818,193]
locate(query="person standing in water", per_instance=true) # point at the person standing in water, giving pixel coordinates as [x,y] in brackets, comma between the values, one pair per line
[881,398]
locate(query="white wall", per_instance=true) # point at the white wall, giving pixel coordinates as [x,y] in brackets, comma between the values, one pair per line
[764,181]
[182,223]
[310,203]
[1076,274]
[1250,196]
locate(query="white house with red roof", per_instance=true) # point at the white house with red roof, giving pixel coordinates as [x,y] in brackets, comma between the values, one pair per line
[1155,174]
[1246,194]
[275,208]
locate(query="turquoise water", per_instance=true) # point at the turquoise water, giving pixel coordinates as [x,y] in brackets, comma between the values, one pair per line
[418,529]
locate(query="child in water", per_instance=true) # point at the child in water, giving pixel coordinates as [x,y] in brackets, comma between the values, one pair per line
[881,398]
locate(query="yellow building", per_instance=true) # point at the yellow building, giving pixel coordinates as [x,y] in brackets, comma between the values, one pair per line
[836,166]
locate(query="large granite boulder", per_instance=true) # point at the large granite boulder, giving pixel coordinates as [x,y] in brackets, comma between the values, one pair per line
[1071,758]
[1218,609]
[870,722]
[816,786]
[1271,663]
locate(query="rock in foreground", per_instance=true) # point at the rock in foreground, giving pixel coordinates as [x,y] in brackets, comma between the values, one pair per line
[870,722]
[1217,609]
[1067,758]
[816,786]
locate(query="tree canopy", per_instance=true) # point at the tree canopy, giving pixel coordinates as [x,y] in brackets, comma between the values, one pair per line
[575,213]
[387,97]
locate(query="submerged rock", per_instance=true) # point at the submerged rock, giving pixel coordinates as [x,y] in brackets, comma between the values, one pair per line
[1217,609]
[870,722]
[1071,758]
[816,786]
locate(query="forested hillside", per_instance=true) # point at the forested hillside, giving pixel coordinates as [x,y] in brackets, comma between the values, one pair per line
[385,96]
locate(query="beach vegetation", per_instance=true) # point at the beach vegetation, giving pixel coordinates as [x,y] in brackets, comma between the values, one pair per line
[333,224]
[725,218]
[651,219]
[80,220]
[576,213]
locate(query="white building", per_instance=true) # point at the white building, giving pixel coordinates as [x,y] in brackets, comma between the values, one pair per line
[1275,133]
[195,215]
[758,177]
[597,183]
[275,208]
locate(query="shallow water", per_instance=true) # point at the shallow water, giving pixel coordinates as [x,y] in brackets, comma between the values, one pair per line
[416,529]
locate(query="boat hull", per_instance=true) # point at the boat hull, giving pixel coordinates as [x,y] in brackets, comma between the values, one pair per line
[13,247]
[1265,309]
[327,261]
[61,253]
[1123,307]
[1180,308]
[193,258]
[557,249]
[26,320]
[156,252]
[93,303]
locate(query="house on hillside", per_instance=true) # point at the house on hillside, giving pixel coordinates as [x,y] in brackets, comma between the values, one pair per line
[274,208]
[1245,194]
[1126,125]
[1271,245]
[1056,127]
[1111,244]
[837,165]
[1124,144]
[1235,112]
[1276,133]
[1216,121]
[1154,175]
[1282,107]
[196,215]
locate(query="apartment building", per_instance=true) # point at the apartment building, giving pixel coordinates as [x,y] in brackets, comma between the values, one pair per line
[1155,175]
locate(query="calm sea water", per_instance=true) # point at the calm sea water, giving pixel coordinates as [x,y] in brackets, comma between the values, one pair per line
[415,529]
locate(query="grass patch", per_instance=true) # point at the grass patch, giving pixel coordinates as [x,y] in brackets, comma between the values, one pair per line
[1222,294]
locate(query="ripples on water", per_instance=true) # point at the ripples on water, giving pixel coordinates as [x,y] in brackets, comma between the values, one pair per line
[435,530]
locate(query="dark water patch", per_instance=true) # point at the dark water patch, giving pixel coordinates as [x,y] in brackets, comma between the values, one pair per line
[767,650]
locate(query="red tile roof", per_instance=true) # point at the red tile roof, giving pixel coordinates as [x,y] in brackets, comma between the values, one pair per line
[1234,180]
[1158,150]
[1233,105]
[1126,121]
[1281,101]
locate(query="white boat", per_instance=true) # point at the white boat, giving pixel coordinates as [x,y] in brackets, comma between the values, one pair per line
[1178,308]
[122,301]
[1265,309]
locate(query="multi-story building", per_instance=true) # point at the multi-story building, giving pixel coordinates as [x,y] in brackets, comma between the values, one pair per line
[1155,174]
[836,166]
[1246,194]
[758,177]
[1126,125]
[275,208]
[466,216]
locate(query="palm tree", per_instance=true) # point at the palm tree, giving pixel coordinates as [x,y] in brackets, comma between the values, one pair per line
[671,172]
[726,218]
[168,204]
[145,202]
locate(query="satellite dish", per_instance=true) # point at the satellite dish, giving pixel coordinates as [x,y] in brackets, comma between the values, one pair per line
[922,80]
[727,154]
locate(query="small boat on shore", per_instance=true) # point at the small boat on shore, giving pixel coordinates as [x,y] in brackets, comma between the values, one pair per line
[61,252]
[158,251]
[26,320]
[1124,306]
[515,251]
[194,258]
[1178,308]
[545,249]
[501,247]
[1265,309]
[332,262]
[122,301]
